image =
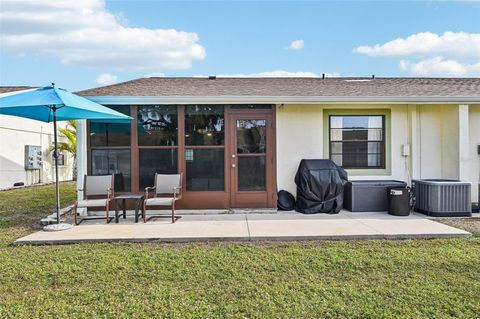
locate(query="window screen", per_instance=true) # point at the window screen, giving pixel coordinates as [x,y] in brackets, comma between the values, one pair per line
[357,141]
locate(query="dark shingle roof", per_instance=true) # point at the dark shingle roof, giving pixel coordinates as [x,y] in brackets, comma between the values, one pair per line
[292,87]
[7,89]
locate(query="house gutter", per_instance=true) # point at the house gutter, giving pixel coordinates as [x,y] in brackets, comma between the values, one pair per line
[129,100]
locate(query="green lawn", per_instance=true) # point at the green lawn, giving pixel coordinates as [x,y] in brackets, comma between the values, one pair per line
[342,279]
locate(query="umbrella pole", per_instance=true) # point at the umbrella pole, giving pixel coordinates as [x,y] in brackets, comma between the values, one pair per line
[55,155]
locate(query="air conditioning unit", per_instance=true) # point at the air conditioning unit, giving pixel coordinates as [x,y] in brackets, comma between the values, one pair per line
[442,197]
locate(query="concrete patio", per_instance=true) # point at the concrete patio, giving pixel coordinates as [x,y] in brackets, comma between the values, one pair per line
[252,227]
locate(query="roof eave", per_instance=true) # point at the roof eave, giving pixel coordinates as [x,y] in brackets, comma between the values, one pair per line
[128,100]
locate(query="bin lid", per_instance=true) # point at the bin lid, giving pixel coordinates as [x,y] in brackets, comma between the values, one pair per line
[378,183]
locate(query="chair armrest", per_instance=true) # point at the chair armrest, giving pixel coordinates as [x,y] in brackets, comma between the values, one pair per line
[177,191]
[109,193]
[147,189]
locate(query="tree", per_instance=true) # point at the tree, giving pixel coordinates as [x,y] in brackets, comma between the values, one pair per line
[70,146]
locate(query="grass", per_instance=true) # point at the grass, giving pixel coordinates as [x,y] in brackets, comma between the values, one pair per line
[343,279]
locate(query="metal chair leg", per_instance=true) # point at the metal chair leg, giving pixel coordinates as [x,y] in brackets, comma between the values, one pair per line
[75,213]
[144,211]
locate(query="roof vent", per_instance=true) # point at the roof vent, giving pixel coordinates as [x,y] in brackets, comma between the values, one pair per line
[212,77]
[373,76]
[323,76]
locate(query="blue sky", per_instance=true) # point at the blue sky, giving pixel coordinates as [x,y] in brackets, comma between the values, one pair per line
[87,43]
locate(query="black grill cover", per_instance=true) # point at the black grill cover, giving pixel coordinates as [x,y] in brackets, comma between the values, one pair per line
[320,186]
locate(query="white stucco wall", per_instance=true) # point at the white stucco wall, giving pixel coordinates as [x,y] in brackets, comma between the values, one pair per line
[440,127]
[299,135]
[399,135]
[432,131]
[474,158]
[449,141]
[17,132]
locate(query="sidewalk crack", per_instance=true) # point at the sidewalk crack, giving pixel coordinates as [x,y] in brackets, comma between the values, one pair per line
[359,220]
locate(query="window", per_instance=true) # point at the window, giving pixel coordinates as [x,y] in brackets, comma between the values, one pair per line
[251,136]
[114,133]
[204,147]
[157,125]
[251,173]
[113,162]
[157,129]
[357,141]
[110,149]
[151,161]
[251,151]
[204,125]
[205,169]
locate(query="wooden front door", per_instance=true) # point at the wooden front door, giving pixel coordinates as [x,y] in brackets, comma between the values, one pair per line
[252,159]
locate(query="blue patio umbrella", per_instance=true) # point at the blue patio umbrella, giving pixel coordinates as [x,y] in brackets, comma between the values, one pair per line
[51,104]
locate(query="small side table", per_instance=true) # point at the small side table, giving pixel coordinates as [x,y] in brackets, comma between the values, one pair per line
[139,198]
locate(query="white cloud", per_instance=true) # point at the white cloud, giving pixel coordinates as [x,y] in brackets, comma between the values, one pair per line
[297,45]
[439,66]
[275,74]
[84,32]
[106,79]
[461,44]
[451,54]
[155,75]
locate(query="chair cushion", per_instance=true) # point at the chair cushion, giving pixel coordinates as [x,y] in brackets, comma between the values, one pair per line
[98,185]
[93,203]
[166,182]
[159,201]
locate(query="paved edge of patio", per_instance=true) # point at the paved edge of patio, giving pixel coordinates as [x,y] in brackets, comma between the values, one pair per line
[239,239]
[365,227]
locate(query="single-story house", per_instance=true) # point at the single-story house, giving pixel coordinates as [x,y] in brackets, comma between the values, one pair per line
[18,136]
[240,140]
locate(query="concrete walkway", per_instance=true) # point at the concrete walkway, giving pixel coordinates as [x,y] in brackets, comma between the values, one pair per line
[252,227]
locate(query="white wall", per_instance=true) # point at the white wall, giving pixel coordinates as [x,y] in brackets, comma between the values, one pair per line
[449,141]
[299,135]
[474,158]
[440,127]
[17,132]
[430,141]
[431,130]
[399,135]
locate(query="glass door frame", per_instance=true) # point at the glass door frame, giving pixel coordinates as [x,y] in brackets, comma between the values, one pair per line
[252,199]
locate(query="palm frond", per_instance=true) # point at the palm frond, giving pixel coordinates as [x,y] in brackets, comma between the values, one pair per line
[70,133]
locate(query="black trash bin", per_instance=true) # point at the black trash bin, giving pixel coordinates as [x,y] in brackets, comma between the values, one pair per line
[398,201]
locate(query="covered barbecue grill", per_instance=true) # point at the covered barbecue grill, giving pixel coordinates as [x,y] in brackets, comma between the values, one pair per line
[320,185]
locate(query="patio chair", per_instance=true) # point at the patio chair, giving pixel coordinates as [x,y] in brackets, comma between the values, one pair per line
[98,191]
[167,190]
